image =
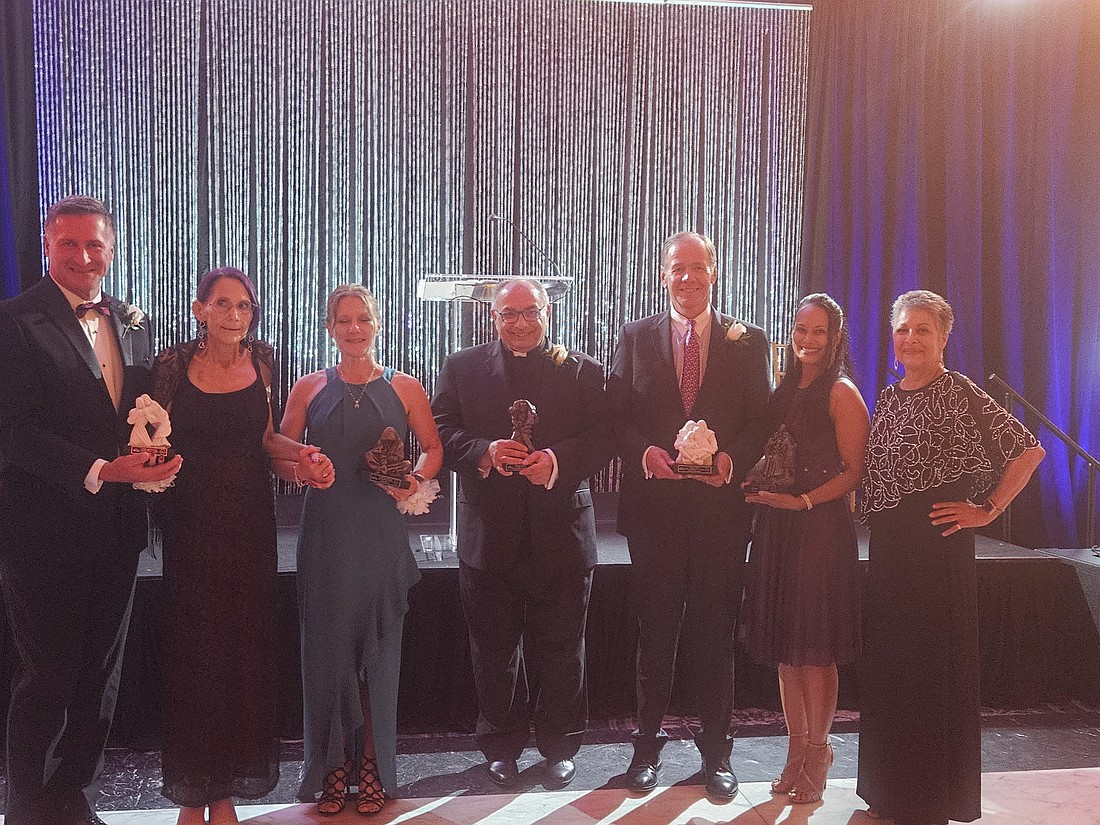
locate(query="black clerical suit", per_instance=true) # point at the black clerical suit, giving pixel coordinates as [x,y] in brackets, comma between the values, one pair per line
[687,540]
[67,557]
[526,553]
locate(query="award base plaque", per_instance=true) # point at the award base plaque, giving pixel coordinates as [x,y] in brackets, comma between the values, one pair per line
[161,453]
[687,469]
[387,480]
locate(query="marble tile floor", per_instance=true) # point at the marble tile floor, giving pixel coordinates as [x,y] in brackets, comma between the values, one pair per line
[1055,797]
[1042,766]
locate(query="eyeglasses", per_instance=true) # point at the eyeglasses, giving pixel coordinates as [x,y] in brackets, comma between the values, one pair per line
[224,305]
[510,316]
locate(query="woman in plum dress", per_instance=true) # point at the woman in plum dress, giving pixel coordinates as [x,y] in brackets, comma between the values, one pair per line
[802,596]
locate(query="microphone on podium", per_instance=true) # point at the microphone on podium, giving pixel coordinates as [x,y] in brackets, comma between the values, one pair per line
[526,237]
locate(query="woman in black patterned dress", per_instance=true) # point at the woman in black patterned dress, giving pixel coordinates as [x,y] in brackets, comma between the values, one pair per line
[801,610]
[220,555]
[943,458]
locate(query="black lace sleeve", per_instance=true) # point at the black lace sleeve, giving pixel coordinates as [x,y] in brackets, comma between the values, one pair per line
[167,369]
[263,355]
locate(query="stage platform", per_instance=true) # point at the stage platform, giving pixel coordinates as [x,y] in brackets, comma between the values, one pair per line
[1038,626]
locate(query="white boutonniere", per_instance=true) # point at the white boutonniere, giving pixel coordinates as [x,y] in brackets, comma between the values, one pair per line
[558,354]
[736,332]
[132,318]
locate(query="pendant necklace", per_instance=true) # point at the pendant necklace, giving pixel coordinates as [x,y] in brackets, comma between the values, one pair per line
[374,373]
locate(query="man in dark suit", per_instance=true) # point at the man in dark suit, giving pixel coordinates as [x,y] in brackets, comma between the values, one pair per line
[687,534]
[72,361]
[526,536]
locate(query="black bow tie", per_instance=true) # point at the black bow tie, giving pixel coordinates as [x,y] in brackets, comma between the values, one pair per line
[101,306]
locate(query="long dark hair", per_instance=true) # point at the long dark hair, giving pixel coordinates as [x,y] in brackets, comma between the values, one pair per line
[839,363]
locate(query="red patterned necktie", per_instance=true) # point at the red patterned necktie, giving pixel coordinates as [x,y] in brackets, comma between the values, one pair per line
[689,377]
[101,306]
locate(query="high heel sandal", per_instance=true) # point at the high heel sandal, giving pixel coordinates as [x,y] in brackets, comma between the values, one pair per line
[784,783]
[335,792]
[371,795]
[810,784]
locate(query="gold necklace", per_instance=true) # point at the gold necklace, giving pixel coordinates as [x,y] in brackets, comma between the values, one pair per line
[374,373]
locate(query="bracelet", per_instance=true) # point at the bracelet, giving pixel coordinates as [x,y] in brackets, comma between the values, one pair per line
[297,480]
[991,506]
[806,499]
[418,477]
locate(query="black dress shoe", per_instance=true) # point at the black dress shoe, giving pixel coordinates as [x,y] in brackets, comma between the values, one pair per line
[504,772]
[641,776]
[719,779]
[559,773]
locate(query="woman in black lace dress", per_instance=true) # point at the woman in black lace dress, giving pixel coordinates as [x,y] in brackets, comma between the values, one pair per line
[220,555]
[942,458]
[802,596]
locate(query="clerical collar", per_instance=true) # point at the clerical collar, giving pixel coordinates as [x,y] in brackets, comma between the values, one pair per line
[74,299]
[541,348]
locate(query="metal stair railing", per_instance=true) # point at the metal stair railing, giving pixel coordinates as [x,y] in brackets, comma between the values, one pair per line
[1093,464]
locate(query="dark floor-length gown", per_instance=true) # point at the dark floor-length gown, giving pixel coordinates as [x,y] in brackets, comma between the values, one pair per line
[355,568]
[802,589]
[920,721]
[220,567]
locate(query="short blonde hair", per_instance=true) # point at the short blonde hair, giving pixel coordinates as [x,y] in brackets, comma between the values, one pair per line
[930,302]
[352,291]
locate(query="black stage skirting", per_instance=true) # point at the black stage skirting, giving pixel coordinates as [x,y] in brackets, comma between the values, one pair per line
[1039,643]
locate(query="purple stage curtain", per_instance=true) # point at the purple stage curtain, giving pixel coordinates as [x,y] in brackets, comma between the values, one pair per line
[955,146]
[20,250]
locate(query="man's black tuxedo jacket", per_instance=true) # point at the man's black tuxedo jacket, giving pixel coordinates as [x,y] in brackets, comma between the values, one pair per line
[644,393]
[56,419]
[505,521]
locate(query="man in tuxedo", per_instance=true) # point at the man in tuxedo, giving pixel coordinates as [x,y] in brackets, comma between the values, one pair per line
[526,530]
[687,534]
[72,361]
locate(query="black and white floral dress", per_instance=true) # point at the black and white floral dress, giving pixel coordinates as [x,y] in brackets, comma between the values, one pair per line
[920,738]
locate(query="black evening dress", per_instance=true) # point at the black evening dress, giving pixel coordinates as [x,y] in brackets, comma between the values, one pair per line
[802,589]
[920,722]
[220,567]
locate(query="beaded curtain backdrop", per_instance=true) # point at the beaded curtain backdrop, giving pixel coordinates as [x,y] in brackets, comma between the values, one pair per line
[313,143]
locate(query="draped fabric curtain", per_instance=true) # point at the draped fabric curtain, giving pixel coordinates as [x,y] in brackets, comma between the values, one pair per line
[315,142]
[952,146]
[20,249]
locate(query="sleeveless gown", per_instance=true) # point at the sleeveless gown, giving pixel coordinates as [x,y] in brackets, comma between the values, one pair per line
[355,568]
[802,589]
[220,566]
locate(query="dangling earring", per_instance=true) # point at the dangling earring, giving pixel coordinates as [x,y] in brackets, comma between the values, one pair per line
[250,339]
[202,334]
[896,365]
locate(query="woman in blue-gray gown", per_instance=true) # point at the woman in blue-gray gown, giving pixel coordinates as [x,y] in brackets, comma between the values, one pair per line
[355,566]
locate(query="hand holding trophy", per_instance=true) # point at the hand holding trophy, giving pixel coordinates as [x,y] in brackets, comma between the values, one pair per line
[145,414]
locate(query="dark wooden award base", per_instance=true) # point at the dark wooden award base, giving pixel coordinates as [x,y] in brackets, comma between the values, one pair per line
[161,453]
[686,469]
[397,482]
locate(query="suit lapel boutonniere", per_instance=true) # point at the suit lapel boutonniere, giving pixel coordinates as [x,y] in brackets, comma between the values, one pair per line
[558,355]
[736,332]
[130,317]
